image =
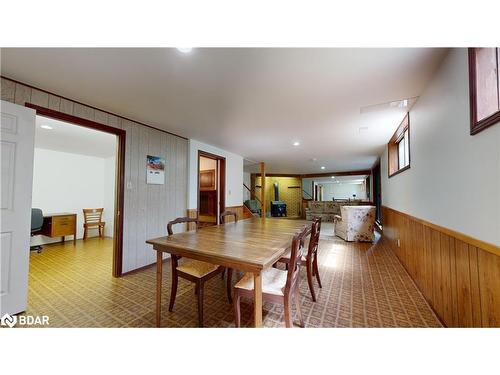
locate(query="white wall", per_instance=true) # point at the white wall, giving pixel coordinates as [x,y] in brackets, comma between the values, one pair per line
[66,182]
[343,191]
[454,178]
[234,174]
[109,194]
[248,182]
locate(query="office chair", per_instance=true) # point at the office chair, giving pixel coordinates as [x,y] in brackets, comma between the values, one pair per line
[36,226]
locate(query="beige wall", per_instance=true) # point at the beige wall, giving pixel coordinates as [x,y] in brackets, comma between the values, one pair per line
[147,208]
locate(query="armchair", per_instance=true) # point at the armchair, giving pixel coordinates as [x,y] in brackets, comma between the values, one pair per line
[356,223]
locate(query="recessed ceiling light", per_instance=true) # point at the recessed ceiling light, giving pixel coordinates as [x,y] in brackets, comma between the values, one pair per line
[323,167]
[296,143]
[46,127]
[333,176]
[184,49]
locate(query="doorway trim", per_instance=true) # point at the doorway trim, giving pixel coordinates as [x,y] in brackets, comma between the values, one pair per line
[120,175]
[222,182]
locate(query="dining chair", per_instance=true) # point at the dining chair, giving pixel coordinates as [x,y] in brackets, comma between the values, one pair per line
[310,259]
[92,218]
[222,220]
[278,286]
[196,271]
[228,213]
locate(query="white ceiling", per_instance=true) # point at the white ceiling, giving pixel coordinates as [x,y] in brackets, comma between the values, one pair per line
[340,179]
[65,137]
[254,102]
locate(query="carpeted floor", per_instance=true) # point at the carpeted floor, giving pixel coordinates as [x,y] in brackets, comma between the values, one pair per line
[364,285]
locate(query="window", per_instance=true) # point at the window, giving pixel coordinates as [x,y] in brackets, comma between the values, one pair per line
[403,151]
[399,148]
[484,87]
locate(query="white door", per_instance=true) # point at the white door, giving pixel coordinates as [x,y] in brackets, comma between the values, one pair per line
[17,138]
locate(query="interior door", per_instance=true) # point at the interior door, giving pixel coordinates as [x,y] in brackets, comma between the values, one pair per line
[17,138]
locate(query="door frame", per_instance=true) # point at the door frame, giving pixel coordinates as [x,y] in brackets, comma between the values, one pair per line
[222,182]
[119,178]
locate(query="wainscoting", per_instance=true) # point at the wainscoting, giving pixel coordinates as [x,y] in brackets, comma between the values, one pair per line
[458,275]
[242,211]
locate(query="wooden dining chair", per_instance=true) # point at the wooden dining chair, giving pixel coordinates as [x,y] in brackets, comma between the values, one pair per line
[278,286]
[196,271]
[222,220]
[310,258]
[92,218]
[228,213]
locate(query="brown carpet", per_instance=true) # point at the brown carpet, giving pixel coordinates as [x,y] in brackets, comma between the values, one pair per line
[364,285]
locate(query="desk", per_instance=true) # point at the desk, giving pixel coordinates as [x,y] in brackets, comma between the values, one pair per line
[247,245]
[59,225]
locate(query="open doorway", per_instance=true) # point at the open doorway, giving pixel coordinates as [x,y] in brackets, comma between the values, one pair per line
[211,188]
[79,164]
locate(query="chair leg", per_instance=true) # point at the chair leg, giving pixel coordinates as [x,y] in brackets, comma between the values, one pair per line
[309,269]
[85,233]
[175,279]
[298,306]
[229,285]
[237,311]
[199,286]
[223,273]
[317,270]
[288,313]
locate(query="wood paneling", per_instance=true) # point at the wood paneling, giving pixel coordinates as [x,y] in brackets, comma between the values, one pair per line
[147,208]
[459,279]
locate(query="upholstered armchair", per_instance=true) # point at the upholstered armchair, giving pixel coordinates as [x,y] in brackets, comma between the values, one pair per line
[355,223]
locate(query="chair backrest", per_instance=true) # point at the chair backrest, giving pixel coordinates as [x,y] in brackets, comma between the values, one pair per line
[314,239]
[228,213]
[92,215]
[357,213]
[293,274]
[36,219]
[180,220]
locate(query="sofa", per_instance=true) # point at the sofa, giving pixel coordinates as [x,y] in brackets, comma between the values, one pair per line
[326,210]
[356,223]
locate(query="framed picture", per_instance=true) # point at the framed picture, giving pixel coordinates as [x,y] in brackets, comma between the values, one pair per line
[155,170]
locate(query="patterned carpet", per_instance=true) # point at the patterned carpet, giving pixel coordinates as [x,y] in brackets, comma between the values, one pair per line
[364,285]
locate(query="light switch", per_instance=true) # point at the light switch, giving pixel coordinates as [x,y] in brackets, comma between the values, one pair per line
[129,185]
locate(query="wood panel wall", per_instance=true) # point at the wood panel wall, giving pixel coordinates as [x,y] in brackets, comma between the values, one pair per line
[147,208]
[458,275]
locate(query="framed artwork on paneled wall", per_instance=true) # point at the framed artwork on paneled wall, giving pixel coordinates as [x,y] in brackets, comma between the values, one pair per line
[155,170]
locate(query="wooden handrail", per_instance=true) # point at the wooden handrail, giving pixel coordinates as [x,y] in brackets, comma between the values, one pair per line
[254,196]
[308,194]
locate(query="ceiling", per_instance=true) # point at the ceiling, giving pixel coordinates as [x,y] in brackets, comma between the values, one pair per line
[355,179]
[254,102]
[65,137]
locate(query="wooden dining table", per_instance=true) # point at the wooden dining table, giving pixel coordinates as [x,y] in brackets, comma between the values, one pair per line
[250,245]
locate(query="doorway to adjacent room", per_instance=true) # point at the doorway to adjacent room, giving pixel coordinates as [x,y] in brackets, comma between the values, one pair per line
[211,188]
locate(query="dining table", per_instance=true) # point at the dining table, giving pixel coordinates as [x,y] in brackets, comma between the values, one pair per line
[249,245]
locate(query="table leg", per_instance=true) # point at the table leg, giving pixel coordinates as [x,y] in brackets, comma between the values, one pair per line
[257,282]
[74,237]
[159,265]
